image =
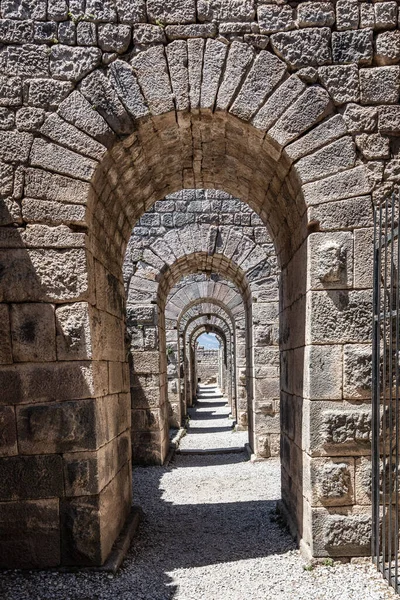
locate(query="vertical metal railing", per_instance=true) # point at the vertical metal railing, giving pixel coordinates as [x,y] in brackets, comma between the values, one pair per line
[385,391]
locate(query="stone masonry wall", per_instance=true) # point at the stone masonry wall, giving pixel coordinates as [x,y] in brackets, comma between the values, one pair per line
[207,365]
[107,107]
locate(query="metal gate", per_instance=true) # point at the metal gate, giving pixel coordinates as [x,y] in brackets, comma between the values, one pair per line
[385,384]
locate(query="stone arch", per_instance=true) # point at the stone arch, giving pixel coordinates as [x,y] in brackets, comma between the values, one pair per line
[223,366]
[235,120]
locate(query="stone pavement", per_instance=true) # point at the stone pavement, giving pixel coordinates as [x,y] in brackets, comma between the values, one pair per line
[210,428]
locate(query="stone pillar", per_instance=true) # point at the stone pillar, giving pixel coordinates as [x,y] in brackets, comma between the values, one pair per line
[65,444]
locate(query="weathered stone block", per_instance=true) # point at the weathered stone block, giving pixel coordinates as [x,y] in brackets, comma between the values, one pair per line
[29,119]
[49,186]
[131,11]
[312,106]
[31,534]
[66,134]
[330,482]
[71,63]
[27,60]
[331,260]
[387,48]
[357,373]
[341,81]
[178,11]
[337,156]
[347,14]
[308,47]
[33,332]
[53,157]
[225,10]
[345,214]
[323,372]
[73,332]
[275,18]
[26,477]
[315,14]
[374,146]
[10,91]
[57,427]
[339,316]
[114,38]
[328,131]
[360,118]
[342,535]
[380,85]
[353,46]
[342,185]
[151,70]
[385,15]
[15,146]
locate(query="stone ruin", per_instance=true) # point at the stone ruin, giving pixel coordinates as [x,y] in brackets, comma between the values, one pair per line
[106,109]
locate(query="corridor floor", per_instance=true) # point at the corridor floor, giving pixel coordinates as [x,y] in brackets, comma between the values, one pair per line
[209,533]
[210,427]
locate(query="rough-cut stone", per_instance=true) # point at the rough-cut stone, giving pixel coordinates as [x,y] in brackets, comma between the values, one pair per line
[342,185]
[239,58]
[18,9]
[131,11]
[344,214]
[125,84]
[312,106]
[33,332]
[15,32]
[27,60]
[357,371]
[177,65]
[71,63]
[187,32]
[279,102]
[59,159]
[315,14]
[152,72]
[341,81]
[144,33]
[265,74]
[195,63]
[6,179]
[335,157]
[10,91]
[49,186]
[272,18]
[52,213]
[353,46]
[308,47]
[77,110]
[380,85]
[15,146]
[177,11]
[86,34]
[114,38]
[213,61]
[225,10]
[64,133]
[47,94]
[328,131]
[360,119]
[386,15]
[387,47]
[347,14]
[374,146]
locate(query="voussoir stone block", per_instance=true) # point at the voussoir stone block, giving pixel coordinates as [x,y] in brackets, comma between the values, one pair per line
[308,47]
[53,157]
[310,108]
[337,156]
[79,112]
[349,183]
[330,130]
[239,58]
[151,70]
[50,186]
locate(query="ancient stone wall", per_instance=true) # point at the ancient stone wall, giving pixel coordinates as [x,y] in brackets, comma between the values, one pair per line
[105,109]
[207,366]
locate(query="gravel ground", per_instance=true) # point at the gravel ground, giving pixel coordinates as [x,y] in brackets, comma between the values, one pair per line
[209,533]
[210,426]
